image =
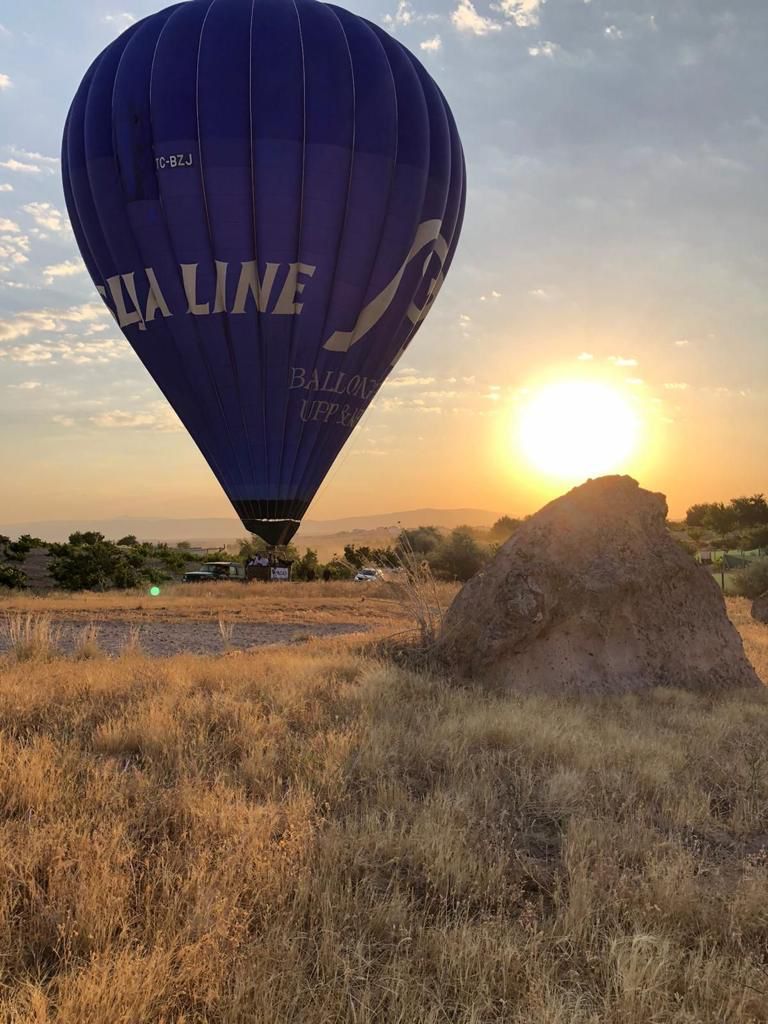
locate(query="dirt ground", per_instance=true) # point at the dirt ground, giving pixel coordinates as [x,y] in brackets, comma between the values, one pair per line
[164,639]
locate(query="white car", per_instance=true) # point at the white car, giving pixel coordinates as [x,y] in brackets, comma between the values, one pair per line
[368,576]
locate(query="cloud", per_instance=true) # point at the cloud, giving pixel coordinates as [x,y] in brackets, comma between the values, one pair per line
[539,293]
[158,417]
[78,353]
[19,167]
[5,82]
[524,13]
[69,268]
[46,216]
[622,361]
[495,294]
[545,49]
[22,161]
[585,357]
[120,21]
[14,246]
[6,188]
[64,421]
[26,385]
[682,342]
[404,15]
[466,19]
[50,321]
[38,158]
[613,32]
[410,381]
[431,45]
[676,386]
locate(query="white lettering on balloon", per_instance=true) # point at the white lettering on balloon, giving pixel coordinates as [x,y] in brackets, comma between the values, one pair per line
[257,288]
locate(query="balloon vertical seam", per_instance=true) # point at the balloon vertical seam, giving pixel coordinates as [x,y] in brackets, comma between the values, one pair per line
[225,320]
[297,486]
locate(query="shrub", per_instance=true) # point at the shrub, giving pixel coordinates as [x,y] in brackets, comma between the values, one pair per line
[12,578]
[90,562]
[459,556]
[752,581]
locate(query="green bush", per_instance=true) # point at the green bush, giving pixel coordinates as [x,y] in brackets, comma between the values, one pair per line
[753,580]
[459,556]
[91,562]
[12,578]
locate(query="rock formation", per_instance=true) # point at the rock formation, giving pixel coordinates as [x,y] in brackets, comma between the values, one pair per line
[593,595]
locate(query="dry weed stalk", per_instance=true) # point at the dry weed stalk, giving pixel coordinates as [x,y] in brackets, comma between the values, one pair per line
[32,637]
[420,592]
[86,643]
[132,643]
[226,630]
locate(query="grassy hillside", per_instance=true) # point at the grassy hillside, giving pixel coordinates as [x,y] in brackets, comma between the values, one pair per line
[309,835]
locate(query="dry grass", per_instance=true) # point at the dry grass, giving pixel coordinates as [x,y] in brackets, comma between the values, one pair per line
[369,604]
[305,835]
[31,637]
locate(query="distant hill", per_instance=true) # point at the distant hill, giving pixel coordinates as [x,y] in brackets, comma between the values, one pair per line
[224,530]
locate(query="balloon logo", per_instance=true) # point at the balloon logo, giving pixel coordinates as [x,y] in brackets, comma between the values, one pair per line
[268,195]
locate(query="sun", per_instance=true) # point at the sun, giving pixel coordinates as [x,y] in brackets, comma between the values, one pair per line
[575,429]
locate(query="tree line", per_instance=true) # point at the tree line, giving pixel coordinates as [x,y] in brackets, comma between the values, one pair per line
[741,523]
[90,561]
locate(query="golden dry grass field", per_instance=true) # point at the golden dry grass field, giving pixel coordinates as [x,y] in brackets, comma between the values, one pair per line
[311,835]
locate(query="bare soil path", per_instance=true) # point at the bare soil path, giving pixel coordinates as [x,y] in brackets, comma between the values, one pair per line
[164,639]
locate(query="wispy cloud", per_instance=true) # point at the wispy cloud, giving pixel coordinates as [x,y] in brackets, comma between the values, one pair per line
[622,361]
[158,417]
[409,381]
[466,18]
[120,21]
[676,386]
[38,158]
[14,245]
[6,188]
[431,45]
[404,15]
[47,217]
[19,167]
[545,49]
[50,321]
[26,385]
[524,13]
[585,357]
[74,351]
[22,161]
[69,268]
[5,82]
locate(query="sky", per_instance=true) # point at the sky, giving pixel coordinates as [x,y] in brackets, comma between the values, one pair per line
[615,231]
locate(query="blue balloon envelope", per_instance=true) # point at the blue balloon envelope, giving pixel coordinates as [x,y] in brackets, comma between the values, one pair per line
[268,195]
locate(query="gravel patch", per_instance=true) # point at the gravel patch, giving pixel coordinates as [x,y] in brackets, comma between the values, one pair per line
[163,639]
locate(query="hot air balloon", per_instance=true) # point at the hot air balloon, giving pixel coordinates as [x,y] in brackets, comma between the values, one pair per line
[268,195]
